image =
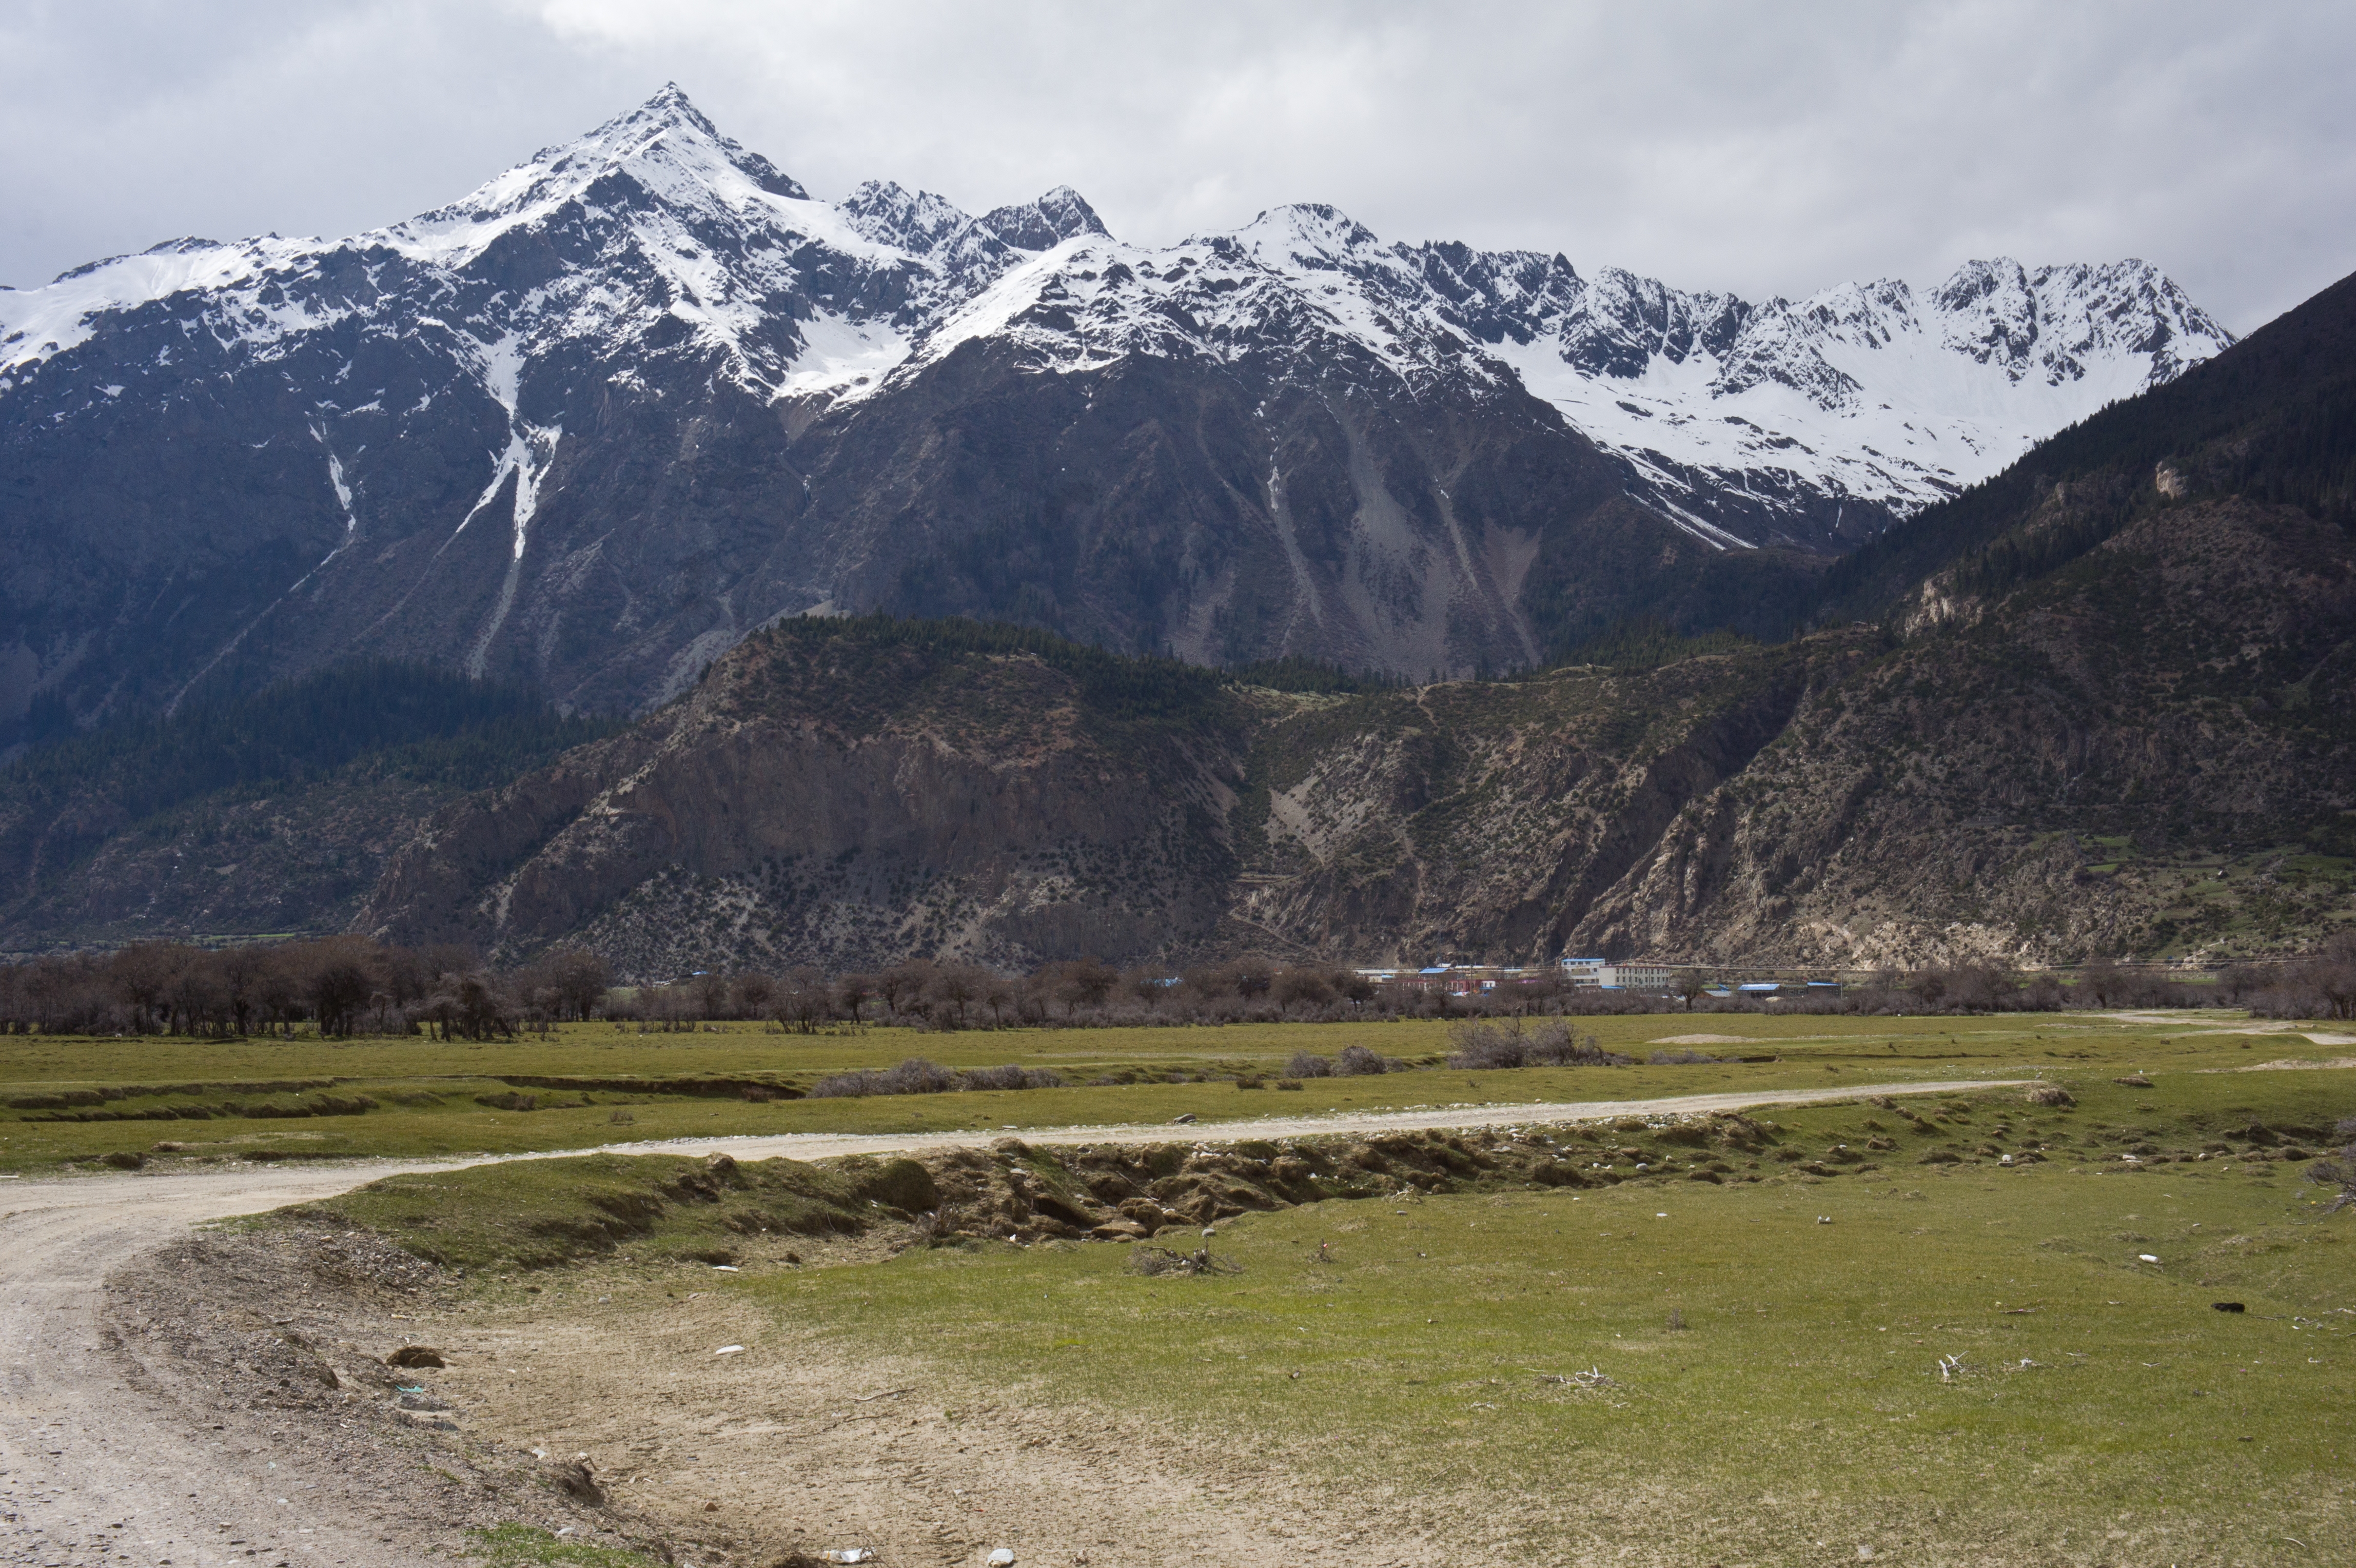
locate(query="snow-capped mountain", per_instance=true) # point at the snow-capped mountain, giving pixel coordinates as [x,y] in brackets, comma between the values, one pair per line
[1742,420]
[1865,393]
[623,403]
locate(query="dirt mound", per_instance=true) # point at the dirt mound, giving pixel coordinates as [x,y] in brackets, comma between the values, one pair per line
[1017,1191]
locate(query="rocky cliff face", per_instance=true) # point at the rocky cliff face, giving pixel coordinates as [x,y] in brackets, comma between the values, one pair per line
[592,425]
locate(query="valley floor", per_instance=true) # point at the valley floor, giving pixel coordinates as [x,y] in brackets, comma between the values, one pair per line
[1674,1371]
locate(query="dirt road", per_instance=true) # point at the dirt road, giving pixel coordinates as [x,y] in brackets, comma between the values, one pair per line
[826,1146]
[97,1469]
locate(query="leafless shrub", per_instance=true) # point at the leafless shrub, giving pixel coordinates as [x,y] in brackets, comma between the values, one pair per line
[915,1076]
[1357,1061]
[1511,1044]
[1010,1077]
[1308,1064]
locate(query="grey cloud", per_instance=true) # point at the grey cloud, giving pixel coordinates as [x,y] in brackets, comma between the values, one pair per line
[1763,149]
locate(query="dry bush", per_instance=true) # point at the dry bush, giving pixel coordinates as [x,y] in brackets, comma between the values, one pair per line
[1010,1077]
[915,1076]
[1158,1260]
[1513,1044]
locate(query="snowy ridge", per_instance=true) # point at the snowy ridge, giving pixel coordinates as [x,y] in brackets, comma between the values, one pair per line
[655,240]
[1867,393]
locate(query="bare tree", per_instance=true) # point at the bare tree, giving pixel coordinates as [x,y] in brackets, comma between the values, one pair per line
[956,986]
[751,994]
[805,1000]
[851,994]
[997,994]
[902,985]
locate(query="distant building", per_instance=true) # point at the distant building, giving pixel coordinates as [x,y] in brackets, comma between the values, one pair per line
[1457,979]
[1595,972]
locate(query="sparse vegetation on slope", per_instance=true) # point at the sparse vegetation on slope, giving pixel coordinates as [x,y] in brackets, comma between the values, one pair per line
[267,812]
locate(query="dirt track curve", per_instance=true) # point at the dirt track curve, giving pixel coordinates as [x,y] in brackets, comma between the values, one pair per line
[96,1469]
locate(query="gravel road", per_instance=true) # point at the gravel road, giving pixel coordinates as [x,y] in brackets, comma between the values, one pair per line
[97,1469]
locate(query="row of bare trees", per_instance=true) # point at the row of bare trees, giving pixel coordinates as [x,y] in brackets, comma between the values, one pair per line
[339,986]
[964,997]
[346,985]
[2322,986]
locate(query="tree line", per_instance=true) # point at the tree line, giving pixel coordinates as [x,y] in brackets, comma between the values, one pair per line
[338,986]
[343,986]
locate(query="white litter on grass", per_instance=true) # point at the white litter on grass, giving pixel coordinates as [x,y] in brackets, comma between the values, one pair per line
[1002,1558]
[849,1555]
[728,1349]
[1661,1215]
[726,1269]
[2145,1257]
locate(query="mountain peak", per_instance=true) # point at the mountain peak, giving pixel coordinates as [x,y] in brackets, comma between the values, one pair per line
[891,214]
[666,147]
[1061,214]
[668,124]
[1315,233]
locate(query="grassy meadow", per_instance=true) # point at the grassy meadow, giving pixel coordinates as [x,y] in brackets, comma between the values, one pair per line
[1762,1361]
[70,1100]
[1728,1355]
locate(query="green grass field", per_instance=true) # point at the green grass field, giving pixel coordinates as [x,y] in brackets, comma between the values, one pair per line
[2102,1410]
[1764,1348]
[215,1099]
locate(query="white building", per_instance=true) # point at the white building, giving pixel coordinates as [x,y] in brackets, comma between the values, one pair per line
[1618,976]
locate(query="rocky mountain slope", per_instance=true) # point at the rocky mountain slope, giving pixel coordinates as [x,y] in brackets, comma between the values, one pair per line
[271,815]
[2116,714]
[627,402]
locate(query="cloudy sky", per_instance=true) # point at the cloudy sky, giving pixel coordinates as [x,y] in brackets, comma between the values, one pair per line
[1765,149]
